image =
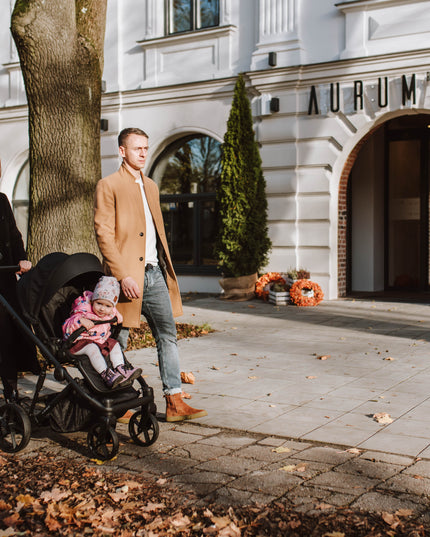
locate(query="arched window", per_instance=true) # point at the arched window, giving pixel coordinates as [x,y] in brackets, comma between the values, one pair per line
[187,173]
[20,198]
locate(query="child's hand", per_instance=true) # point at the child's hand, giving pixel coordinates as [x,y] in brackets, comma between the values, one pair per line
[87,323]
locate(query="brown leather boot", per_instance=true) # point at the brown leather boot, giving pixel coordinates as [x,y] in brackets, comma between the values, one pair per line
[177,410]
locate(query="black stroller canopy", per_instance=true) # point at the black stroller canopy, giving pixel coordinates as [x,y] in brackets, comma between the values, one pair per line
[36,287]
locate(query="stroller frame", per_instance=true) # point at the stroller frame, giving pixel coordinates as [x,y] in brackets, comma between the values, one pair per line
[106,405]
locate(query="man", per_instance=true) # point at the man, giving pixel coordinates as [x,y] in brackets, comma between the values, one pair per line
[130,233]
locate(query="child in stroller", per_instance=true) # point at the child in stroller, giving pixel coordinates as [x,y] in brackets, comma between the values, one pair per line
[94,339]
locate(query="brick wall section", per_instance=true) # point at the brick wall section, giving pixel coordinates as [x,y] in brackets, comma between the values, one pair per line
[342,229]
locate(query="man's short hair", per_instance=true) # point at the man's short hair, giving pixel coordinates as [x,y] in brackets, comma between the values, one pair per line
[123,135]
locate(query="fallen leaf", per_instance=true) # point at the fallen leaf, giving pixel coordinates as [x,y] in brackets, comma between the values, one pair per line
[7,532]
[215,368]
[353,450]
[390,519]
[334,534]
[388,358]
[404,512]
[323,505]
[185,395]
[180,522]
[281,449]
[6,506]
[12,519]
[187,378]
[323,357]
[311,377]
[288,468]
[55,495]
[118,496]
[253,377]
[383,417]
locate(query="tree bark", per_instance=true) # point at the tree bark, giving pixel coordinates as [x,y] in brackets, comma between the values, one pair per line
[60,45]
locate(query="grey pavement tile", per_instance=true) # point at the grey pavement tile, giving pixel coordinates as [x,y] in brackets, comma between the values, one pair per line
[343,435]
[177,437]
[266,454]
[284,425]
[309,494]
[228,440]
[389,458]
[342,482]
[378,502]
[408,484]
[301,468]
[266,408]
[409,427]
[425,453]
[390,443]
[199,454]
[325,454]
[207,478]
[230,496]
[357,393]
[231,465]
[194,427]
[419,468]
[331,402]
[367,468]
[392,406]
[274,482]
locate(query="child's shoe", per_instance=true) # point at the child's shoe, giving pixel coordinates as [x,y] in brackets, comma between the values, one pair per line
[129,373]
[111,378]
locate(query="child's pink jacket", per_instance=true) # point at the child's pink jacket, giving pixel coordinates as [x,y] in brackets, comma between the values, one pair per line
[82,308]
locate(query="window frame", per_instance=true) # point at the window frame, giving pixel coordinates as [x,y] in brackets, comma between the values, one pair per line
[198,199]
[195,18]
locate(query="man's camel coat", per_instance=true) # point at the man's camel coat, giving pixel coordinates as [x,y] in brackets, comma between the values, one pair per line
[119,222]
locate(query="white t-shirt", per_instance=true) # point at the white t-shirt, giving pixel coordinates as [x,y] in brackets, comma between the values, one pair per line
[151,255]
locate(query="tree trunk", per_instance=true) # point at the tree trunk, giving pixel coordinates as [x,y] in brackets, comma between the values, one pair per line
[60,45]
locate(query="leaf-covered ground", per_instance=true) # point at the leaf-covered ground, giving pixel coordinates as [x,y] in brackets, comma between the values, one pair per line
[142,337]
[48,495]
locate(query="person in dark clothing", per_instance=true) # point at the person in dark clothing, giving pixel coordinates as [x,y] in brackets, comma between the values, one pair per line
[17,352]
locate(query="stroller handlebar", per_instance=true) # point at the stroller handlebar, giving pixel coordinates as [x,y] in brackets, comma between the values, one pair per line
[9,268]
[82,329]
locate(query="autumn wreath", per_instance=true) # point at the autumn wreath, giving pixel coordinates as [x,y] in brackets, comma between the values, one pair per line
[263,281]
[297,297]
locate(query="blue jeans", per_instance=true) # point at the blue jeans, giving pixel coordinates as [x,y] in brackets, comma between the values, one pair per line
[157,309]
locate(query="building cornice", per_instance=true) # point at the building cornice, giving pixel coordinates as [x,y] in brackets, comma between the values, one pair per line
[345,70]
[368,5]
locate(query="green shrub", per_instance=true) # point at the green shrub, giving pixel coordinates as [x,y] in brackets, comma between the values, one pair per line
[242,244]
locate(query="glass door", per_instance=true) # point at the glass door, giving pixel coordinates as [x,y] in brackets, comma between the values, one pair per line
[404,214]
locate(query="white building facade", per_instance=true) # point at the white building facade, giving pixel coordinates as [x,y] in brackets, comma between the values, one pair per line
[341,104]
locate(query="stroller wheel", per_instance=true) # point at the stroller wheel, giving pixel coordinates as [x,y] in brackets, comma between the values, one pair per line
[15,428]
[103,442]
[143,428]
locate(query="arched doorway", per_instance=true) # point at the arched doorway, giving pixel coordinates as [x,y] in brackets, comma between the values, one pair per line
[187,173]
[387,209]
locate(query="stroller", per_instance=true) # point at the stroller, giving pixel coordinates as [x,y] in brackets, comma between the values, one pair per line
[46,294]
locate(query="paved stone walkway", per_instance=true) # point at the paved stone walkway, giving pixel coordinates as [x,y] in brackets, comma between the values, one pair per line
[284,423]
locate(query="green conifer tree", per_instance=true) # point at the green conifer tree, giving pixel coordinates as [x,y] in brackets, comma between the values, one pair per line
[242,243]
